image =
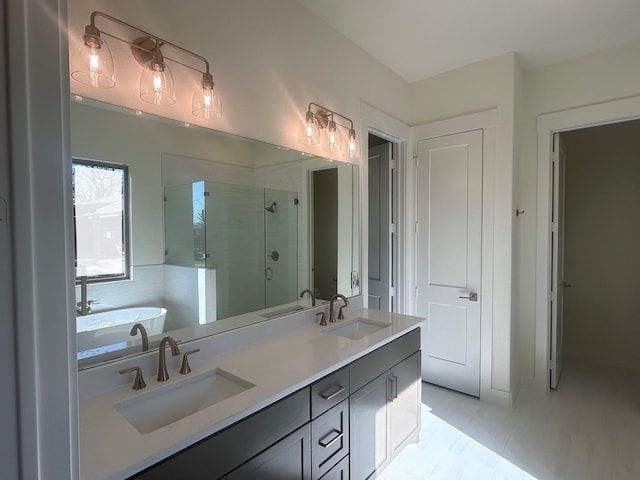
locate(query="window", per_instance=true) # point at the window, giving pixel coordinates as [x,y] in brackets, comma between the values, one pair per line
[101,219]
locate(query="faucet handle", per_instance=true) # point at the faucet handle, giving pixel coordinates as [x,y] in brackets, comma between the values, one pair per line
[341,313]
[323,319]
[138,382]
[185,367]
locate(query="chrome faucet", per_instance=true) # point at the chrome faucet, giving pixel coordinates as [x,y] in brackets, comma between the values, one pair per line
[313,297]
[163,375]
[138,327]
[332,313]
[83,307]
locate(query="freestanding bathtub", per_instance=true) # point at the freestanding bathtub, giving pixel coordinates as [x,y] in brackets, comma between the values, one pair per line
[106,328]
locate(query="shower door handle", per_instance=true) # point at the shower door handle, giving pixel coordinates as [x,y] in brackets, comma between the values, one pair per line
[268,272]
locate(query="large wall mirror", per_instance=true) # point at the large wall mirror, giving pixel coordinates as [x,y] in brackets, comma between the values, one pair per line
[223,231]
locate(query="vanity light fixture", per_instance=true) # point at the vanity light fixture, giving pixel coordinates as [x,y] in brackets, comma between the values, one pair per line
[92,64]
[320,125]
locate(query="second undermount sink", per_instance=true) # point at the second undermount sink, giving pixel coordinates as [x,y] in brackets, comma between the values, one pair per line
[356,328]
[165,405]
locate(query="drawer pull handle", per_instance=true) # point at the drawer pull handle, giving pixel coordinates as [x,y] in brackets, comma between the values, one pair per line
[328,394]
[395,387]
[325,444]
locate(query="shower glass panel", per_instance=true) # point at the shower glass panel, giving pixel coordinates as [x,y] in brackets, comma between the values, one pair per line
[235,247]
[281,241]
[244,237]
[184,226]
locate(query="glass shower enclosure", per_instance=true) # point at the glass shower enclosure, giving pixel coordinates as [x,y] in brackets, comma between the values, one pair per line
[243,238]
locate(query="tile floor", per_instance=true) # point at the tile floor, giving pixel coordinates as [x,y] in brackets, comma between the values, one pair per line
[588,429]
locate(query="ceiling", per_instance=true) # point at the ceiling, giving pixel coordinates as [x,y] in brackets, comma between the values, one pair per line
[421,38]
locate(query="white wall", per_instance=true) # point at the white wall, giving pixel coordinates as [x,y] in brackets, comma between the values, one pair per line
[602,234]
[599,77]
[269,60]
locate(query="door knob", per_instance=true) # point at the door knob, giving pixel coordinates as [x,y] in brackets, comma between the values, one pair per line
[472,297]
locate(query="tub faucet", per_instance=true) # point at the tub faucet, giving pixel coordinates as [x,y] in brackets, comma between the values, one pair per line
[163,375]
[313,297]
[332,313]
[138,327]
[83,307]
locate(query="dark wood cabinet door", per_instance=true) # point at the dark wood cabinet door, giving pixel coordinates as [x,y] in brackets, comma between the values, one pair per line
[289,459]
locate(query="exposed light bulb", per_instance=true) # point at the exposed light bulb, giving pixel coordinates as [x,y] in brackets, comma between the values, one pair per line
[309,133]
[206,103]
[94,65]
[156,82]
[352,145]
[332,139]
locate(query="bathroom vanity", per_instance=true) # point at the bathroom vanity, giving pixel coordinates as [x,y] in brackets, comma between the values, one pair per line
[310,402]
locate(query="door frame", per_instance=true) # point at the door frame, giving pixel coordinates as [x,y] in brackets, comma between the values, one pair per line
[393,213]
[487,121]
[388,128]
[549,124]
[9,457]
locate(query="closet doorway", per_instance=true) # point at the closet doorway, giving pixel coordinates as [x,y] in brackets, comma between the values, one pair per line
[601,258]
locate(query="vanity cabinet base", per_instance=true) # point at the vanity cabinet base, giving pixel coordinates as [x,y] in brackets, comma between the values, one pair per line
[385,413]
[347,425]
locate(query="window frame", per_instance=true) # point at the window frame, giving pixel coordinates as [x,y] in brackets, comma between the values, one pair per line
[126,220]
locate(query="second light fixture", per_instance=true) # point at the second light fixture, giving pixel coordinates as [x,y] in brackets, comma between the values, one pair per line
[320,126]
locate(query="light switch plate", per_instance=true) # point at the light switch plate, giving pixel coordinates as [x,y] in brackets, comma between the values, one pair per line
[355,280]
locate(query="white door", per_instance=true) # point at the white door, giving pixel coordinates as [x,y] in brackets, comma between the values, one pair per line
[557,258]
[449,206]
[380,227]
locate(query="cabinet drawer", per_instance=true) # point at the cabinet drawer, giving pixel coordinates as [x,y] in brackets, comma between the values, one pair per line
[329,391]
[340,471]
[216,455]
[365,369]
[330,438]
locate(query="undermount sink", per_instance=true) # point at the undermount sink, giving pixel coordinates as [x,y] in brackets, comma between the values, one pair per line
[165,405]
[356,328]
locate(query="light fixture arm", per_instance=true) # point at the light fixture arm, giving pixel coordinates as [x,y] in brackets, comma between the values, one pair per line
[323,113]
[92,31]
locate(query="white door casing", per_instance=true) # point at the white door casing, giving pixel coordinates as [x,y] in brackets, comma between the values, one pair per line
[380,227]
[548,124]
[449,248]
[557,253]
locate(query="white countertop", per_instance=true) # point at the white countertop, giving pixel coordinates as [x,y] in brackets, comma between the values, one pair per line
[110,447]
